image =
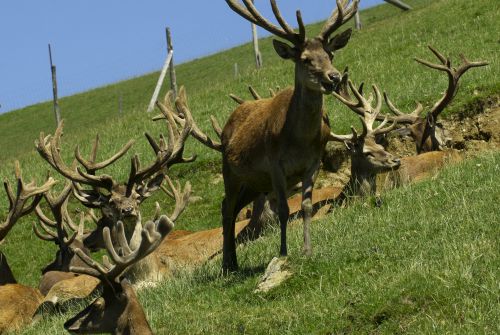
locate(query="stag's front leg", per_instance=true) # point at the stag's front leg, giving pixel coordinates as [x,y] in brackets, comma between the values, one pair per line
[307,189]
[279,188]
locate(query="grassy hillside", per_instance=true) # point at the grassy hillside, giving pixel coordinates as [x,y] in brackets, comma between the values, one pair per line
[424,263]
[385,270]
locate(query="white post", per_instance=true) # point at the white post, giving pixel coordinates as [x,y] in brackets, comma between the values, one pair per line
[160,81]
[258,55]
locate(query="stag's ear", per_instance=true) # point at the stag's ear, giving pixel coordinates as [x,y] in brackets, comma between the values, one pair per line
[339,41]
[284,50]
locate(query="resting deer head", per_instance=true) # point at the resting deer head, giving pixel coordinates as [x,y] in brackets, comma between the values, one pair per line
[368,158]
[118,310]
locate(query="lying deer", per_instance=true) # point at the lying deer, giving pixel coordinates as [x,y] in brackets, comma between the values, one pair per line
[118,311]
[18,302]
[428,134]
[270,145]
[368,158]
[117,201]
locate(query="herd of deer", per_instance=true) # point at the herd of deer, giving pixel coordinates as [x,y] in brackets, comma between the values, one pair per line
[268,146]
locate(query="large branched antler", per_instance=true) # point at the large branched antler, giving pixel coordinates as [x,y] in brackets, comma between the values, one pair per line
[363,107]
[49,147]
[453,74]
[180,115]
[250,13]
[61,230]
[152,235]
[339,16]
[18,201]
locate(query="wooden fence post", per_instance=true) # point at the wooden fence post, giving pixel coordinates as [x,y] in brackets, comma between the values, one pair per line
[173,78]
[57,112]
[258,55]
[160,82]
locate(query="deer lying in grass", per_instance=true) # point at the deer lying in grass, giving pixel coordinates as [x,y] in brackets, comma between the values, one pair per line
[270,145]
[117,201]
[18,302]
[427,133]
[118,310]
[368,158]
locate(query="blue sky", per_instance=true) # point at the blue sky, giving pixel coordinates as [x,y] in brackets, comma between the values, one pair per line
[97,42]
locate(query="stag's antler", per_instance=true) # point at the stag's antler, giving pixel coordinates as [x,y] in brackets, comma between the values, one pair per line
[454,75]
[61,230]
[339,16]
[250,13]
[181,114]
[18,201]
[152,235]
[362,107]
[49,147]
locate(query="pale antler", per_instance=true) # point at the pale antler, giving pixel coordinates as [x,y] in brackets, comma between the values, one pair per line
[362,107]
[152,235]
[250,13]
[18,201]
[181,114]
[49,147]
[62,230]
[181,198]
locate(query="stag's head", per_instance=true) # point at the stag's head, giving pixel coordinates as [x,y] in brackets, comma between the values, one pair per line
[118,310]
[312,56]
[117,201]
[367,156]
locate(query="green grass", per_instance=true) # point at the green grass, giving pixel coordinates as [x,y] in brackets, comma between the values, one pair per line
[395,269]
[428,267]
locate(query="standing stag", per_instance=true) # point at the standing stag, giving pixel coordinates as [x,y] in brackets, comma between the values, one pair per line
[270,145]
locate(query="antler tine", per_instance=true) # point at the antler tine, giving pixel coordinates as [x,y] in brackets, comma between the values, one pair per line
[47,235]
[399,116]
[236,98]
[286,32]
[182,108]
[50,152]
[216,126]
[454,75]
[18,206]
[254,93]
[344,138]
[181,199]
[339,16]
[151,236]
[91,166]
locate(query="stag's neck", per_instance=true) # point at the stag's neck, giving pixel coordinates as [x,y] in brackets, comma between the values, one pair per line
[361,183]
[305,111]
